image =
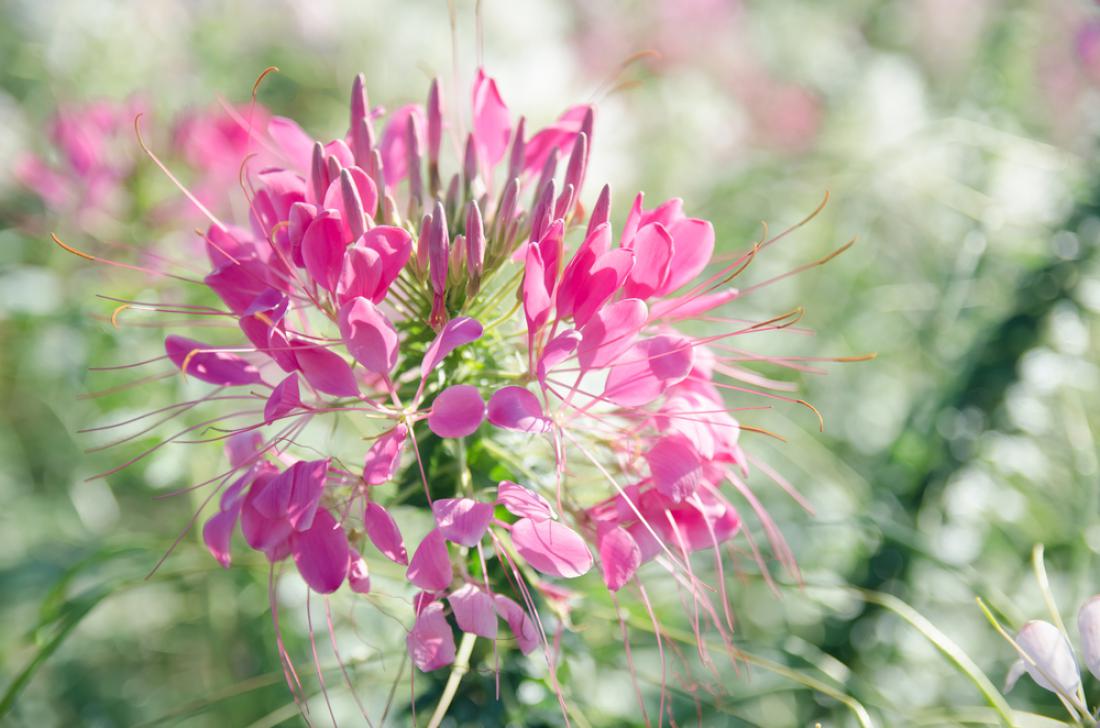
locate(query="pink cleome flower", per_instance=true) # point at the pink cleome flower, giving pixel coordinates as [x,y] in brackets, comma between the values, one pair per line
[488,307]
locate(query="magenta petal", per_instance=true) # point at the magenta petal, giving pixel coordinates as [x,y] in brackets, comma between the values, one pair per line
[360,275]
[384,456]
[457,411]
[611,332]
[393,148]
[604,280]
[242,446]
[284,399]
[523,502]
[393,245]
[694,243]
[369,335]
[653,251]
[462,520]
[515,408]
[325,370]
[262,533]
[457,332]
[323,249]
[431,642]
[648,369]
[358,573]
[473,610]
[291,140]
[676,468]
[492,123]
[551,547]
[522,626]
[217,534]
[384,534]
[294,494]
[620,557]
[322,553]
[559,135]
[560,348]
[215,367]
[430,568]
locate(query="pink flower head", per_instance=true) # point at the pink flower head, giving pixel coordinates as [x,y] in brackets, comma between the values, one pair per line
[463,326]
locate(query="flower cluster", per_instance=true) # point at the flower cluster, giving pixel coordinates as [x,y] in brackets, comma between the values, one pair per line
[491,311]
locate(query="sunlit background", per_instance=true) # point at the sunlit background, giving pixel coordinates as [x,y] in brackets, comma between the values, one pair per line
[956,142]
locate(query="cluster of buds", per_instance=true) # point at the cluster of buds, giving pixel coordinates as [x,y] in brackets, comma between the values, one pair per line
[487,310]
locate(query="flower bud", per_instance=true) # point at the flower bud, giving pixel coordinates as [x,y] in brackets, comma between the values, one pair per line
[1088,623]
[1052,664]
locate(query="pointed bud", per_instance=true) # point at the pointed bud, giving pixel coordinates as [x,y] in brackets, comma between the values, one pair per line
[542,211]
[457,263]
[362,144]
[453,191]
[353,205]
[565,202]
[549,169]
[469,163]
[389,211]
[318,173]
[438,249]
[376,170]
[601,212]
[422,243]
[519,150]
[506,211]
[360,107]
[435,122]
[475,241]
[578,161]
[334,168]
[412,146]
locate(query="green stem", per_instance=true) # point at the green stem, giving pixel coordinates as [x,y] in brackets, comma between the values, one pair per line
[461,667]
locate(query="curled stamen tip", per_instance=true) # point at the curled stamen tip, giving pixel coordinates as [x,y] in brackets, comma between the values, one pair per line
[71,249]
[261,77]
[117,311]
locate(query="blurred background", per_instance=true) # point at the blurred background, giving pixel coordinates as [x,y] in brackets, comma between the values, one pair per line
[956,140]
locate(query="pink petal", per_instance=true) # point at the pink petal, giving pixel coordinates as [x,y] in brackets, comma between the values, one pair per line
[384,456]
[611,332]
[384,534]
[457,411]
[369,335]
[596,242]
[675,466]
[323,249]
[462,520]
[325,370]
[560,348]
[457,332]
[473,610]
[648,369]
[431,643]
[536,295]
[653,251]
[322,553]
[516,408]
[551,547]
[361,273]
[559,135]
[262,533]
[393,245]
[430,568]
[694,244]
[395,155]
[215,367]
[492,123]
[292,141]
[358,573]
[295,494]
[242,446]
[238,284]
[336,199]
[620,557]
[217,534]
[523,502]
[604,280]
[527,636]
[284,399]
